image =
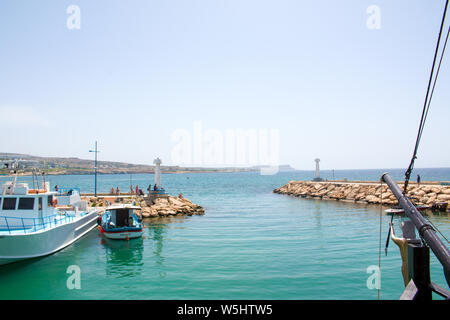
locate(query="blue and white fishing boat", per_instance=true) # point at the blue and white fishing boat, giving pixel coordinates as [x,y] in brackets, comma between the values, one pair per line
[121,221]
[39,222]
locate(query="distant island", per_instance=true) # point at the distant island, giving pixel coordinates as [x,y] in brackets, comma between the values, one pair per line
[61,166]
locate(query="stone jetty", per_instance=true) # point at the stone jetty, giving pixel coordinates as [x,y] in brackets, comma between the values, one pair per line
[431,194]
[158,207]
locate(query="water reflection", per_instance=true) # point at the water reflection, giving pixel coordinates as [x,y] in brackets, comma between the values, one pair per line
[318,215]
[123,258]
[156,231]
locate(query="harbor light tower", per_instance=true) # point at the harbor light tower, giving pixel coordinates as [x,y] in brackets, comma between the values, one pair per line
[157,162]
[317,178]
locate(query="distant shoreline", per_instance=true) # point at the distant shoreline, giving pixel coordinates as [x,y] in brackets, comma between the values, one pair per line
[76,166]
[327,176]
[26,174]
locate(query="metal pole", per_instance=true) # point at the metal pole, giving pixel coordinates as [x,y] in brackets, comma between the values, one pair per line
[95,193]
[95,168]
[426,231]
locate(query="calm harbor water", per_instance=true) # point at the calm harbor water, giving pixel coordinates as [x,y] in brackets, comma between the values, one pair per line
[250,244]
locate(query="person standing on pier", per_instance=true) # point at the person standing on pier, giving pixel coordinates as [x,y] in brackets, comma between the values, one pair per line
[418,180]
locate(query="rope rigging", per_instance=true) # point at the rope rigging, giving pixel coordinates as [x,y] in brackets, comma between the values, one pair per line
[435,228]
[428,97]
[426,107]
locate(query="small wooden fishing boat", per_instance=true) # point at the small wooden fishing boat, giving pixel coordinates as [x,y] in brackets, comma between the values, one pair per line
[121,222]
[399,210]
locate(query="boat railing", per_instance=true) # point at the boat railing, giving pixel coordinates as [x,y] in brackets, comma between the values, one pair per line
[158,191]
[65,191]
[29,225]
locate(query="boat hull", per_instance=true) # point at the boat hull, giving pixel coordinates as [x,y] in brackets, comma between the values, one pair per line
[16,247]
[123,235]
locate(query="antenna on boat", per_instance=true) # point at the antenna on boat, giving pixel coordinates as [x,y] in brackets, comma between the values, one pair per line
[35,177]
[14,166]
[43,181]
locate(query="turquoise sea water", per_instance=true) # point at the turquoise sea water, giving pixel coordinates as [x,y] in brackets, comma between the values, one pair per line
[250,244]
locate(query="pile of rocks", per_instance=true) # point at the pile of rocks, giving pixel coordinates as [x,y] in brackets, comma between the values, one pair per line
[365,192]
[159,207]
[170,206]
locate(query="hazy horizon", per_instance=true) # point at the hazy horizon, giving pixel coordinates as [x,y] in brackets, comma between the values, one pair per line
[212,167]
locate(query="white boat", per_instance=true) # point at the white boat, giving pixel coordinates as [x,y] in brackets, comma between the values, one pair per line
[120,221]
[34,224]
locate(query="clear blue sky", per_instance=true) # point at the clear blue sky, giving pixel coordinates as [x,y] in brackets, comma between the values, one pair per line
[136,71]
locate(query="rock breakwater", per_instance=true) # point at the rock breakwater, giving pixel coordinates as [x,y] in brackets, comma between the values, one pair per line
[159,207]
[366,192]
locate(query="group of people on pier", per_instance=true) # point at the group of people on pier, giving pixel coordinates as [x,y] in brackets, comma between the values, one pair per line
[136,190]
[155,188]
[117,192]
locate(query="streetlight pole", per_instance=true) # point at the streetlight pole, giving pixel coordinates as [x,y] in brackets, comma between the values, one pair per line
[95,167]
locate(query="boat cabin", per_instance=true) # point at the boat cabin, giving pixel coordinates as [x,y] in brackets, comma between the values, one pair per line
[22,207]
[122,216]
[20,199]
